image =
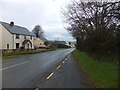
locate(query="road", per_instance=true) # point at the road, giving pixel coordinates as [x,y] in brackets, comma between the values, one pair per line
[54,69]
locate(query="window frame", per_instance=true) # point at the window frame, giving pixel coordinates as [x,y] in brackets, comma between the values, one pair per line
[24,36]
[8,46]
[17,36]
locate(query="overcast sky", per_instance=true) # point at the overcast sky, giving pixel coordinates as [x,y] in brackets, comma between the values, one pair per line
[29,13]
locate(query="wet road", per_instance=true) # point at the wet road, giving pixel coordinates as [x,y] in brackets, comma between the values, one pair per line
[66,75]
[36,70]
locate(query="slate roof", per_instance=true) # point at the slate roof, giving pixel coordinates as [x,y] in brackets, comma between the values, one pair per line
[17,29]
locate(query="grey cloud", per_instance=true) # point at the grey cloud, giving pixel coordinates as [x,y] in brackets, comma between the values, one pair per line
[31,14]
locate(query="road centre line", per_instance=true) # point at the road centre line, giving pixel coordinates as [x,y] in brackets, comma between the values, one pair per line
[15,65]
[63,61]
[66,59]
[59,67]
[50,75]
[68,56]
[37,88]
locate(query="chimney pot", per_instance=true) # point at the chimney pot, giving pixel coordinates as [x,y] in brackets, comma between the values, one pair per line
[12,23]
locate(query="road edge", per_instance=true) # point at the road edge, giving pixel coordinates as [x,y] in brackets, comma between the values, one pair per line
[83,72]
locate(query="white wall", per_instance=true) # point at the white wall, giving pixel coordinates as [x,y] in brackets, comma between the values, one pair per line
[0,73]
[32,41]
[0,58]
[6,38]
[0,36]
[21,39]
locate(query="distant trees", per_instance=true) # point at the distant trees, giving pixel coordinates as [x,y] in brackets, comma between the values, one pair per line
[38,31]
[95,25]
[63,46]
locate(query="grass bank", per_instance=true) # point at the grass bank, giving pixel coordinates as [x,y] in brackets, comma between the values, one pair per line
[102,73]
[21,53]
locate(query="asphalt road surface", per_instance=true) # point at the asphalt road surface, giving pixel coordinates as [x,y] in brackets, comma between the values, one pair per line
[54,69]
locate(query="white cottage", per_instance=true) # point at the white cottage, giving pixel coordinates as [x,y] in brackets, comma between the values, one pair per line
[15,37]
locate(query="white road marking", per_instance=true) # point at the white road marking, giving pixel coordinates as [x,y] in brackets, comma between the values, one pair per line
[15,65]
[50,75]
[59,67]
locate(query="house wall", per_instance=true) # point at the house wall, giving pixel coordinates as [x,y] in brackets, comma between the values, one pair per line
[0,37]
[21,39]
[5,38]
[0,58]
[32,41]
[38,42]
[28,45]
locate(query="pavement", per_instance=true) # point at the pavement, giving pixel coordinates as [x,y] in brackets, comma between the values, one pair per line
[54,69]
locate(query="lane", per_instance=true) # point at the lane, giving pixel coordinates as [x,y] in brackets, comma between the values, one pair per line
[67,75]
[21,75]
[13,61]
[15,65]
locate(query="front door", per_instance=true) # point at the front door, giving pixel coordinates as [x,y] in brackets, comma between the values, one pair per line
[17,45]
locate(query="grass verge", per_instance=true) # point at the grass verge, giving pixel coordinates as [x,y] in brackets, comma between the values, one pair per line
[21,53]
[102,73]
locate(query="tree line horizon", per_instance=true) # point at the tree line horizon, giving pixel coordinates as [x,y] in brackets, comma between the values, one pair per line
[95,26]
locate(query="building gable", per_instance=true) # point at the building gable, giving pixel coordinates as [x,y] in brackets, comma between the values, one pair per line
[14,29]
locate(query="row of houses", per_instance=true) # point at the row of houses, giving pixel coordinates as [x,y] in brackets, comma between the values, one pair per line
[14,37]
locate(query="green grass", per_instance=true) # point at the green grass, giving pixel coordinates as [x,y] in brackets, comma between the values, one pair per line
[103,74]
[21,53]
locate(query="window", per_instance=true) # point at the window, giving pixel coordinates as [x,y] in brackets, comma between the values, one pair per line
[17,45]
[17,36]
[7,46]
[24,37]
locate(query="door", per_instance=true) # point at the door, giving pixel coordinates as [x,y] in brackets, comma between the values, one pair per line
[17,45]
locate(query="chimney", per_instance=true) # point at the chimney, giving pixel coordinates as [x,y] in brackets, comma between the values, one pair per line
[12,23]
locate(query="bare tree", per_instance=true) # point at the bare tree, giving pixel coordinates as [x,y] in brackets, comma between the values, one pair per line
[38,31]
[94,25]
